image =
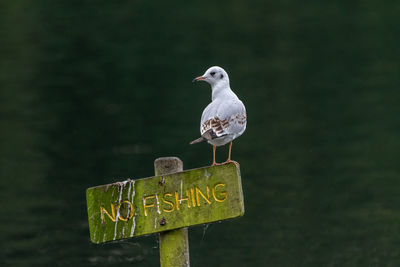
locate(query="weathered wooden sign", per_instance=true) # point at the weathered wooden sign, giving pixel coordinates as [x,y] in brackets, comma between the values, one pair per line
[160,203]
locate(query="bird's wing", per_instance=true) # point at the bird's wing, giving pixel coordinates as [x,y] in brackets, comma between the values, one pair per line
[228,117]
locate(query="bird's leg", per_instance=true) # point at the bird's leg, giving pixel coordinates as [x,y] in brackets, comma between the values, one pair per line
[214,163]
[229,155]
[230,149]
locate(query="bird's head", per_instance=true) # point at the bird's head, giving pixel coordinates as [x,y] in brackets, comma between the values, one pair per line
[214,76]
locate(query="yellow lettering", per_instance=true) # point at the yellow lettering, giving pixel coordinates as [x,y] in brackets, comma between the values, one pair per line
[224,194]
[193,199]
[103,210]
[129,213]
[201,193]
[168,202]
[179,201]
[145,205]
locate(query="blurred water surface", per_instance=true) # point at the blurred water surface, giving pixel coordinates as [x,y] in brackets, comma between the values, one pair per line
[94,91]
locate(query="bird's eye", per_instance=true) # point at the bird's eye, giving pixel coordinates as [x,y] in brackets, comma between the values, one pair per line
[212,73]
[222,76]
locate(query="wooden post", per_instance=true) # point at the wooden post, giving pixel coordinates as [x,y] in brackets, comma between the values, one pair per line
[174,244]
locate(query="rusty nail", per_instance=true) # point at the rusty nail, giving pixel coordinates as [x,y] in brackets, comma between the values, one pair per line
[163,221]
[161,182]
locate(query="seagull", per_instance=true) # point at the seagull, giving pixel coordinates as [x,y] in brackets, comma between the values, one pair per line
[224,119]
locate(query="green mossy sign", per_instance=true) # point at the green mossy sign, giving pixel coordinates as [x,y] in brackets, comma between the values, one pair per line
[150,205]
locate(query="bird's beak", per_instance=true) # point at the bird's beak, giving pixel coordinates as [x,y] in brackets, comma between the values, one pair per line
[200,78]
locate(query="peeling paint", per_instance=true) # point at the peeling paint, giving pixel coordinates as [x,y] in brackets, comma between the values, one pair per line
[132,196]
[181,190]
[104,237]
[133,227]
[120,188]
[107,187]
[158,205]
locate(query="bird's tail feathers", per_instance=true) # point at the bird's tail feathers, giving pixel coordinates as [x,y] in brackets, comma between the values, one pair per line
[198,140]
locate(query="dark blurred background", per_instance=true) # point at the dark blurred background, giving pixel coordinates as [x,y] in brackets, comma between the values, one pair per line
[93,91]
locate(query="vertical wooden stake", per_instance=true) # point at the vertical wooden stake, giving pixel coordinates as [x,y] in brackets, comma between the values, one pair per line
[174,245]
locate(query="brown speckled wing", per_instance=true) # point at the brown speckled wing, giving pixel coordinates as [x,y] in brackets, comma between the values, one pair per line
[222,127]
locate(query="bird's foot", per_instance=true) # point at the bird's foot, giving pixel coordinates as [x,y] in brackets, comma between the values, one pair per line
[229,161]
[216,164]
